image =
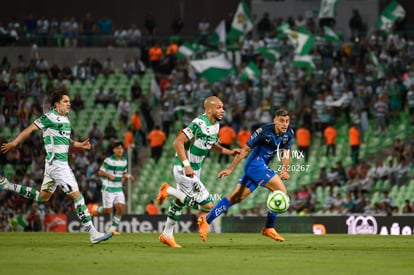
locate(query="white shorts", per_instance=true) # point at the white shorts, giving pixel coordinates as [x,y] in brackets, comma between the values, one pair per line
[192,187]
[58,173]
[109,199]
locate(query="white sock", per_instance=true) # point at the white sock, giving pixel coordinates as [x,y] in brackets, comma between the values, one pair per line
[169,228]
[176,193]
[90,228]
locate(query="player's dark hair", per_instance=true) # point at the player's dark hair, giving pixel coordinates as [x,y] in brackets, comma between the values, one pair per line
[282,112]
[117,143]
[57,96]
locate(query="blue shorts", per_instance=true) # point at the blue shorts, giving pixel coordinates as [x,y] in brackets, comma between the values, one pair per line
[256,173]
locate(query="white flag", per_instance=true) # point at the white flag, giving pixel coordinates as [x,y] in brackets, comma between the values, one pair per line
[242,21]
[328,9]
[212,69]
[219,36]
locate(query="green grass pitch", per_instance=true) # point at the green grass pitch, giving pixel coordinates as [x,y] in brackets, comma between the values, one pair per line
[72,253]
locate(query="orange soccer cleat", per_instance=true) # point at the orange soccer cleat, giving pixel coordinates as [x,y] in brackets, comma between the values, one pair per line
[202,227]
[271,233]
[162,194]
[114,231]
[168,241]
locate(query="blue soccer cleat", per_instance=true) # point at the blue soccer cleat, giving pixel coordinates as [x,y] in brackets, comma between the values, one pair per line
[99,237]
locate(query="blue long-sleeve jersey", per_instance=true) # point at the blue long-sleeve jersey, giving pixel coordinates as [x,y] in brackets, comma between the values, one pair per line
[266,144]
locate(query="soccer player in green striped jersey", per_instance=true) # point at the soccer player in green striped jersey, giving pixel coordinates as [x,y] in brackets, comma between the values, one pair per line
[192,146]
[113,172]
[56,129]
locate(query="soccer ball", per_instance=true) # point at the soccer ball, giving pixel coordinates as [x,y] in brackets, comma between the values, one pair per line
[278,202]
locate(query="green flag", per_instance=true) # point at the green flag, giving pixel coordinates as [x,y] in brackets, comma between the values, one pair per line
[328,8]
[270,53]
[250,72]
[242,22]
[304,61]
[330,35]
[378,66]
[219,36]
[373,58]
[392,13]
[302,40]
[186,50]
[190,50]
[212,69]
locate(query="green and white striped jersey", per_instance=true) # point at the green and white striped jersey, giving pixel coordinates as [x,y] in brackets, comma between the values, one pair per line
[202,135]
[56,135]
[116,167]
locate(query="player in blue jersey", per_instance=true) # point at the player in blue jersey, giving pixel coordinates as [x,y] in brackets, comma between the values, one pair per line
[270,140]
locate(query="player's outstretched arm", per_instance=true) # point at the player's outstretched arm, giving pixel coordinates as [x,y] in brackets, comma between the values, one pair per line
[6,147]
[220,149]
[83,145]
[244,152]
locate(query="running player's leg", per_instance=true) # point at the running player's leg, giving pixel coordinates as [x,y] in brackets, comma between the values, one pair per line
[107,205]
[240,193]
[204,208]
[119,210]
[184,185]
[173,216]
[27,192]
[275,183]
[63,176]
[166,190]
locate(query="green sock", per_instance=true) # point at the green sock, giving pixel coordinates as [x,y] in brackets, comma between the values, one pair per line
[174,211]
[115,222]
[83,213]
[26,192]
[189,201]
[174,215]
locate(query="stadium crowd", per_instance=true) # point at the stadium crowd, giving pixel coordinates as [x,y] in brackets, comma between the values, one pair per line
[311,98]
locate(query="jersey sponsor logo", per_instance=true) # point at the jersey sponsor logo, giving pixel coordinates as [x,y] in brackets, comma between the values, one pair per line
[220,210]
[65,133]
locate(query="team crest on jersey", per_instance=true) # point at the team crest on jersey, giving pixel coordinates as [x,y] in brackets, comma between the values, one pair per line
[285,139]
[258,131]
